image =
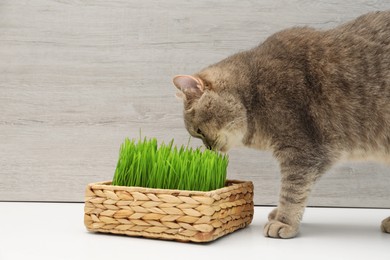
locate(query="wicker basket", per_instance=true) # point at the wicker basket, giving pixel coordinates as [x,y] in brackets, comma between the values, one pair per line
[168,214]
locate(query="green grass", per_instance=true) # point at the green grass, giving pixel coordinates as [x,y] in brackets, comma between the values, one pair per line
[145,163]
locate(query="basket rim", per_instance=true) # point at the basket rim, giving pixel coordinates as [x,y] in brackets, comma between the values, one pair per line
[230,185]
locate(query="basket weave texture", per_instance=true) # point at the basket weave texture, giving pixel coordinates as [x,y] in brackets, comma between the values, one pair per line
[168,214]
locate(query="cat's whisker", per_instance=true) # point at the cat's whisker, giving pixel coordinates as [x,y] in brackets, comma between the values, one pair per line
[233,123]
[217,145]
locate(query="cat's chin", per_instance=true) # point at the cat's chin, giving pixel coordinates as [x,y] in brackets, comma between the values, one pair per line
[224,149]
[230,141]
[220,149]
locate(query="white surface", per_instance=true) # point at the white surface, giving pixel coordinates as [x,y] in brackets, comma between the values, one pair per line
[56,231]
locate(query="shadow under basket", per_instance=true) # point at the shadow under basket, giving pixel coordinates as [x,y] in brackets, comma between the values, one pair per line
[168,214]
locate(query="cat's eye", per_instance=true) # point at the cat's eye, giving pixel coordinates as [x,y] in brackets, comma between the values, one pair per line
[199,132]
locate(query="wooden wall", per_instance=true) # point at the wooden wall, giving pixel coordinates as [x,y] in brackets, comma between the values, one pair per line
[77,77]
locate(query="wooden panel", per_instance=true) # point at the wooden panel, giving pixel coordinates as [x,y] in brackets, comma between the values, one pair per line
[77,77]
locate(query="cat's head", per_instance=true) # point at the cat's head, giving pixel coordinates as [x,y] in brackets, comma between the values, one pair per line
[211,113]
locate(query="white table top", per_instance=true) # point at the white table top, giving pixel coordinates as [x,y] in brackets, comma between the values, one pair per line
[56,231]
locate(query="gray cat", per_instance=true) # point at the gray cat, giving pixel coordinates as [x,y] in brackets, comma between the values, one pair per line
[311,97]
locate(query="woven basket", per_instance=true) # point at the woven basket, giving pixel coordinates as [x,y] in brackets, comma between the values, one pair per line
[168,214]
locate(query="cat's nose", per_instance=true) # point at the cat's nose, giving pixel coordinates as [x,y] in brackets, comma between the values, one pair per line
[208,146]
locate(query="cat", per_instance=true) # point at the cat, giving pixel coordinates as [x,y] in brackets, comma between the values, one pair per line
[311,97]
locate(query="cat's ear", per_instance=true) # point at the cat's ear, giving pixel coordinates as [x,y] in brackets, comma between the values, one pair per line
[192,87]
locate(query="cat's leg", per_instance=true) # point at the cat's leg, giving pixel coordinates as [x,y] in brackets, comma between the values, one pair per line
[299,173]
[272,214]
[386,225]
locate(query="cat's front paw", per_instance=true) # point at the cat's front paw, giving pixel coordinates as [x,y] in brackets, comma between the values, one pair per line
[386,225]
[277,229]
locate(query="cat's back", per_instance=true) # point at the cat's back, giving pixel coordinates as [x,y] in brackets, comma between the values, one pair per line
[358,52]
[337,78]
[355,53]
[351,40]
[371,27]
[363,42]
